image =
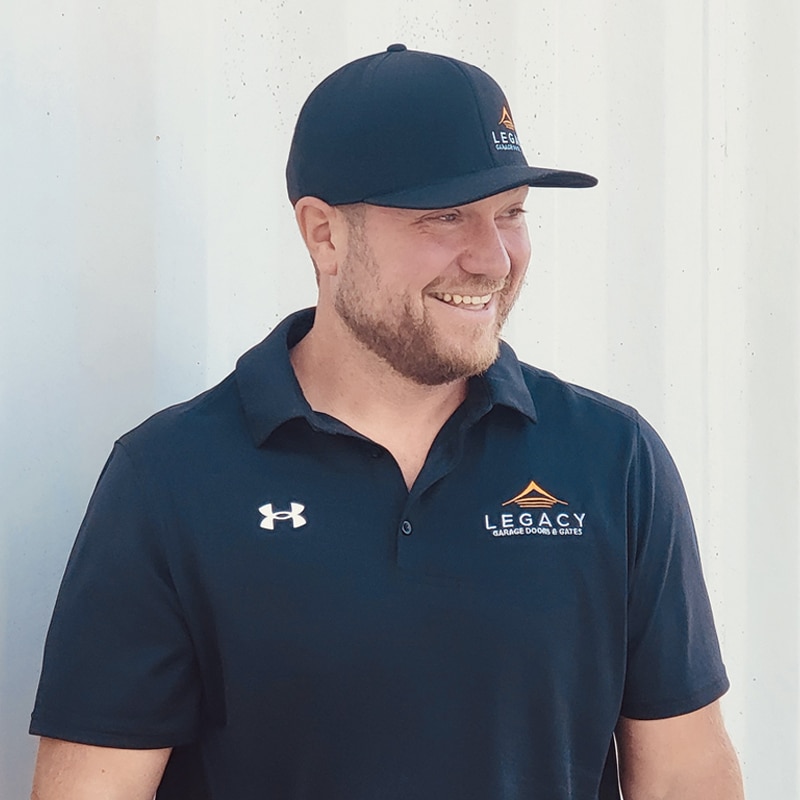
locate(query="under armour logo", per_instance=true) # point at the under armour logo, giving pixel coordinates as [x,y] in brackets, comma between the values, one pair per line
[295,515]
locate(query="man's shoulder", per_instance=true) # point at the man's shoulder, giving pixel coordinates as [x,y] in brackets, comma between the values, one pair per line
[245,406]
[571,412]
[551,394]
[211,417]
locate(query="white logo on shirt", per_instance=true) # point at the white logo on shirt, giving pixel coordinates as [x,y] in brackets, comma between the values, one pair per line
[534,496]
[295,515]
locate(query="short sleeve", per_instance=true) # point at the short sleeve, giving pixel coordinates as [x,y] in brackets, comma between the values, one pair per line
[674,664]
[118,668]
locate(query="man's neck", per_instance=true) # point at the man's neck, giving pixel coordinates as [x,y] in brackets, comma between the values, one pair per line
[342,378]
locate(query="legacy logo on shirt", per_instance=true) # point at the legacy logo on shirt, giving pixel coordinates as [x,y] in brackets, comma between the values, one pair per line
[525,523]
[533,496]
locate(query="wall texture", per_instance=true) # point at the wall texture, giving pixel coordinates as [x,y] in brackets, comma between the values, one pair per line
[145,241]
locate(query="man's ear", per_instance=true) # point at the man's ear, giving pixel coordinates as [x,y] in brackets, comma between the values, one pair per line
[324,230]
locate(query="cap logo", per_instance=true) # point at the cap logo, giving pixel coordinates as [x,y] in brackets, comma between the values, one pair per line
[505,139]
[506,121]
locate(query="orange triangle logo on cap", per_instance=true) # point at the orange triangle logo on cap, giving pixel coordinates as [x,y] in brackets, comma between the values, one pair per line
[505,119]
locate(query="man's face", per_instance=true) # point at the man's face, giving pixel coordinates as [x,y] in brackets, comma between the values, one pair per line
[428,291]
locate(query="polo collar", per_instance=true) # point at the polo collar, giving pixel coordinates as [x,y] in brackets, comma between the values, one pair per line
[271,395]
[268,387]
[506,383]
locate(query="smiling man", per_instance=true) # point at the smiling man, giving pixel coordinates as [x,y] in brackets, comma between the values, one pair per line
[399,298]
[385,560]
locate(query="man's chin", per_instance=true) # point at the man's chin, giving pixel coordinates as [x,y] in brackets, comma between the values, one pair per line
[438,370]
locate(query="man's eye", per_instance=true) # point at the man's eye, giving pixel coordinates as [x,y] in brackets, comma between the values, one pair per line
[448,217]
[516,212]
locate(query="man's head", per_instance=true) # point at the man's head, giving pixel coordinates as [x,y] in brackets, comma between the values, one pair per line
[408,181]
[428,291]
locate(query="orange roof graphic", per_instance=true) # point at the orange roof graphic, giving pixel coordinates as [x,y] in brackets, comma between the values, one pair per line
[505,119]
[533,496]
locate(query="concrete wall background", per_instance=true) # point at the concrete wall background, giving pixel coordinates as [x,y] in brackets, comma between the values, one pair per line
[146,240]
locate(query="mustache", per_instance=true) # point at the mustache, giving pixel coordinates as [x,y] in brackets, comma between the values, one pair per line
[475,286]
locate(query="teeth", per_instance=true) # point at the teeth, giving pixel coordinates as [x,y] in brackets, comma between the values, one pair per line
[463,299]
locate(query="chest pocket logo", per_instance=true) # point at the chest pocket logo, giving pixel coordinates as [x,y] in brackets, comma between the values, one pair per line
[531,522]
[533,496]
[270,516]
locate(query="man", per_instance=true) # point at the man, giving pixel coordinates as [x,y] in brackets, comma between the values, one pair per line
[384,559]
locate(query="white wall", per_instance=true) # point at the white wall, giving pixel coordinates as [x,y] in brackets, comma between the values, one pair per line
[146,240]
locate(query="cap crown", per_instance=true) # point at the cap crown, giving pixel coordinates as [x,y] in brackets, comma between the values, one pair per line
[392,127]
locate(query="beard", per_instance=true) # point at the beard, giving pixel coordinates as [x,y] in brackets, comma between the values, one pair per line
[403,334]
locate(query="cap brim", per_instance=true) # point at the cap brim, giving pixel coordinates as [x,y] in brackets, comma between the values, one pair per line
[477,185]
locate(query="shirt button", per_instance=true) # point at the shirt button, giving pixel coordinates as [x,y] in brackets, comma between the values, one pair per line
[406,527]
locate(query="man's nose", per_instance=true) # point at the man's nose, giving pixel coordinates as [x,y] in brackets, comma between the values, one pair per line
[485,251]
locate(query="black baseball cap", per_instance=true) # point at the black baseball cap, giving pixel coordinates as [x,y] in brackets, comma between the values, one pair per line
[410,129]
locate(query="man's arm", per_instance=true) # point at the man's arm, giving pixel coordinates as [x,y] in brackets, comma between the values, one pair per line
[689,757]
[70,771]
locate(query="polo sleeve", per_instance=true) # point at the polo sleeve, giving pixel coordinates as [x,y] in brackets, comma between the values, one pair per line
[118,668]
[674,664]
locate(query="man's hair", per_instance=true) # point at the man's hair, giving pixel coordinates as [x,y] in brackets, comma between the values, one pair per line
[354,213]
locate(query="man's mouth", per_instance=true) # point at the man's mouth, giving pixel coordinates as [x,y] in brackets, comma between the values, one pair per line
[477,301]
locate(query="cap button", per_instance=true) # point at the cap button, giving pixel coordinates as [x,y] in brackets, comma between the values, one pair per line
[396,48]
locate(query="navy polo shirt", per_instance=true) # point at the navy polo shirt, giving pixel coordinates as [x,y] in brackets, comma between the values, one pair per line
[254,581]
